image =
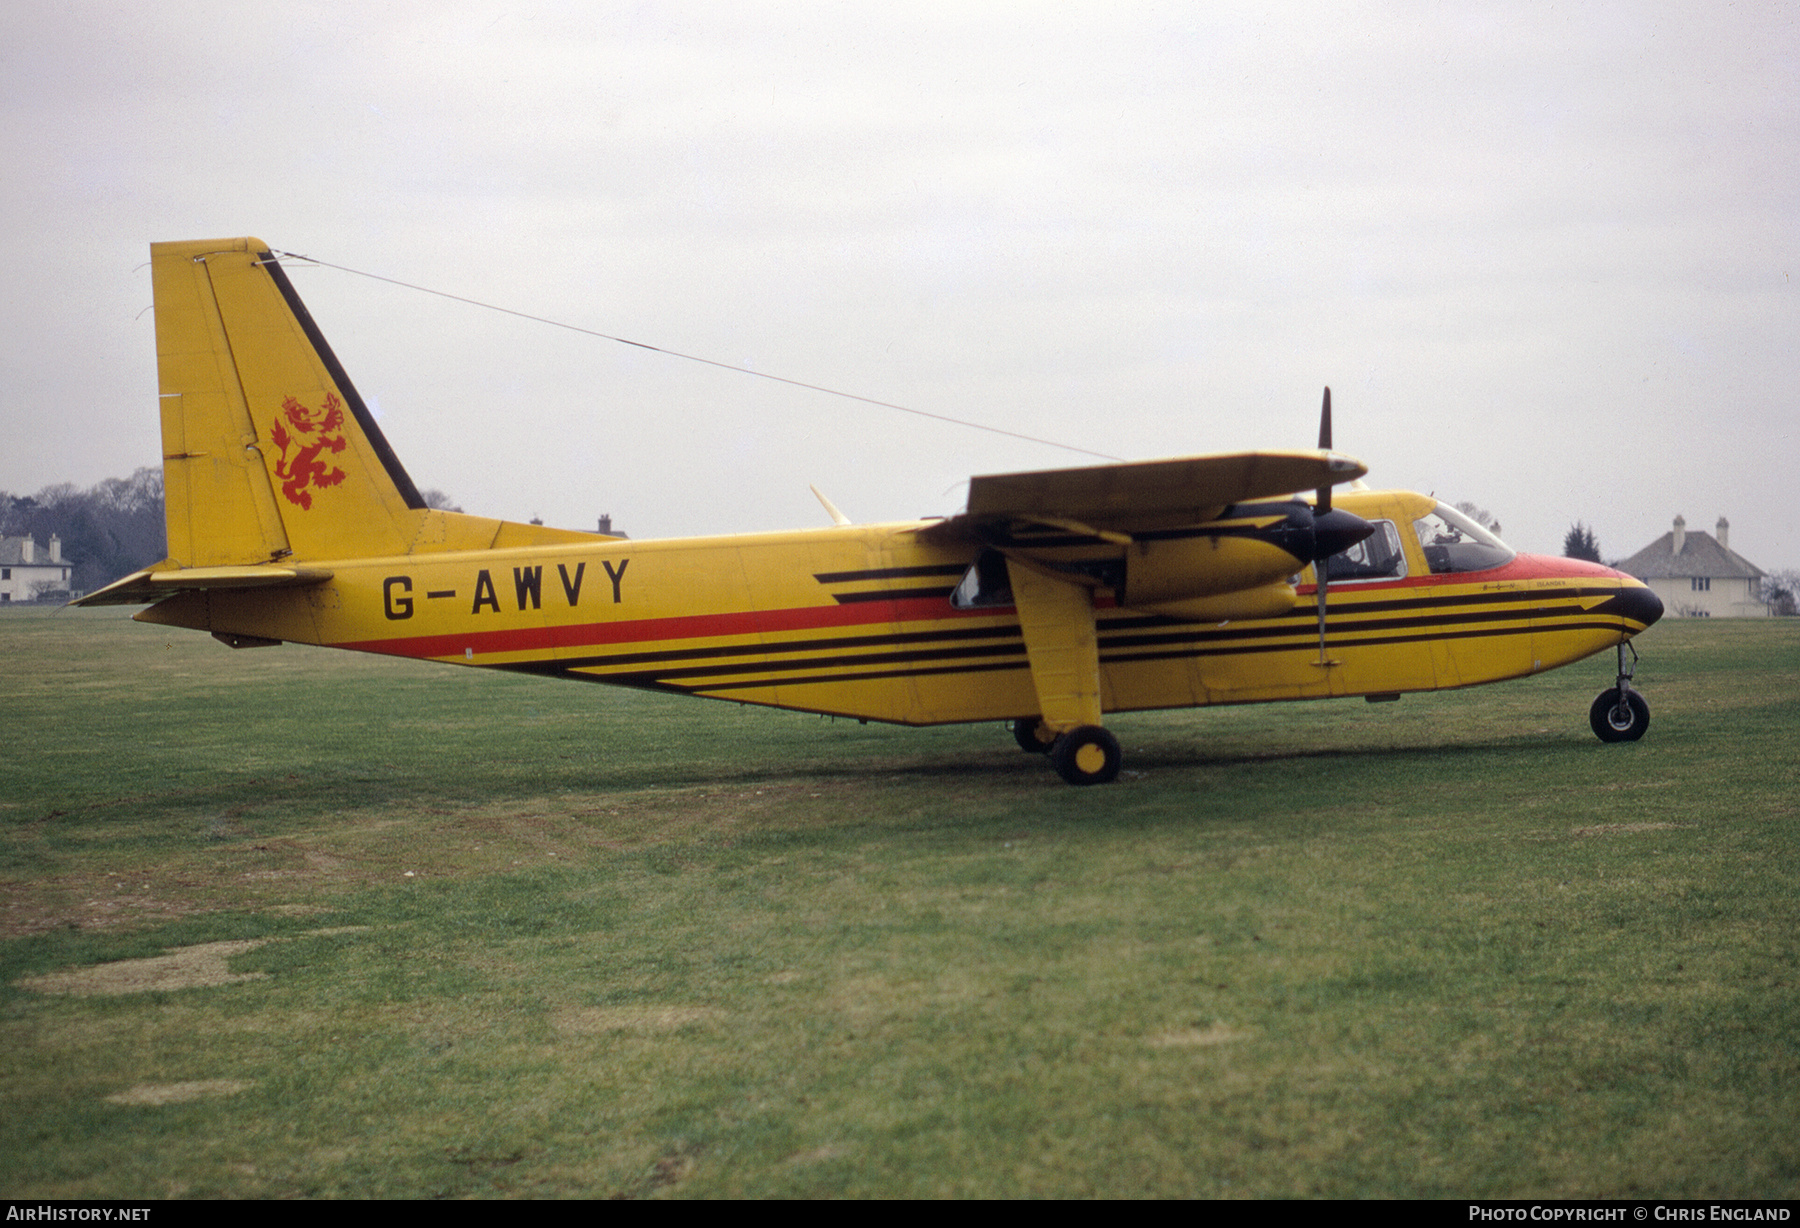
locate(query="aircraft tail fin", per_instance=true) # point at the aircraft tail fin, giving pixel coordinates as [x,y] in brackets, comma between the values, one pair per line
[270,458]
[268,451]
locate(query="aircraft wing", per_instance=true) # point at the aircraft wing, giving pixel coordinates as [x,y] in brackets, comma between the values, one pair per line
[1142,495]
[161,580]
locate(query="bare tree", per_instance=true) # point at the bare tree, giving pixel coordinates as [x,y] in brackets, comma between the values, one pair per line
[1781,589]
[1481,516]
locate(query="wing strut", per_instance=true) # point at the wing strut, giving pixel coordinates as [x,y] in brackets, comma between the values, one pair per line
[1056,616]
[1057,619]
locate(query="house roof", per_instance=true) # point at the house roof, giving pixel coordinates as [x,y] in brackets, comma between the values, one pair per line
[12,554]
[1701,555]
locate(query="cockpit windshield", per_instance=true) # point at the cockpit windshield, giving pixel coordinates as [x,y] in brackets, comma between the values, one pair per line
[1455,543]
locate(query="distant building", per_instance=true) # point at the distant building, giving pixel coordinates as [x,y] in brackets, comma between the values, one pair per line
[1699,576]
[26,577]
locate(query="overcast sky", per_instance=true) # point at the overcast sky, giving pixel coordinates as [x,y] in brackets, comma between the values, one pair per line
[1543,254]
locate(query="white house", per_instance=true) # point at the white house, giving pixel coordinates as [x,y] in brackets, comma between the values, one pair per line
[26,577]
[1699,576]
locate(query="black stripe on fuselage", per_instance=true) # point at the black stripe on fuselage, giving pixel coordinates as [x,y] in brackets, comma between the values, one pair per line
[726,651]
[655,681]
[1333,639]
[1341,621]
[866,676]
[1350,623]
[891,573]
[1128,637]
[907,665]
[892,594]
[846,661]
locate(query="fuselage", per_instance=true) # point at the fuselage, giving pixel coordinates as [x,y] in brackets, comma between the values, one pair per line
[858,621]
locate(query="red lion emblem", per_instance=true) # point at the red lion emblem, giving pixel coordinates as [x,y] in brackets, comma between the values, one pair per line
[306,469]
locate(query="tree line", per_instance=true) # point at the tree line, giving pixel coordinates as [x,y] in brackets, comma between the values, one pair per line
[107,531]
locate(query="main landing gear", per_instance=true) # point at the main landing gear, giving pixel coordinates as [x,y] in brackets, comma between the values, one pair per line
[1029,732]
[1085,755]
[1620,714]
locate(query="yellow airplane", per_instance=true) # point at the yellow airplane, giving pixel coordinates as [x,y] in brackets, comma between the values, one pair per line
[1056,597]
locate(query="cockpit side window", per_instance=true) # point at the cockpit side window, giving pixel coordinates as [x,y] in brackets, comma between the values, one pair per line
[1377,557]
[1454,543]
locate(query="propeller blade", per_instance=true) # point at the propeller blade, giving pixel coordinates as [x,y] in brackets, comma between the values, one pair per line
[1332,530]
[1323,503]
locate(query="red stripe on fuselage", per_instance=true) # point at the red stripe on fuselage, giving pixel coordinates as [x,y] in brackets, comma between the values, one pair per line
[683,627]
[1520,568]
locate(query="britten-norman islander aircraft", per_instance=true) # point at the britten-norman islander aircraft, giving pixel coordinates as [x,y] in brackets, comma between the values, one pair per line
[1057,596]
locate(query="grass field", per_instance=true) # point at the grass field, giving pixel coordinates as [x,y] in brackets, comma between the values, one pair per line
[282,922]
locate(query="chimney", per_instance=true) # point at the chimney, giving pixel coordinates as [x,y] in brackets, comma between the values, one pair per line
[1680,534]
[606,524]
[1723,529]
[56,545]
[28,550]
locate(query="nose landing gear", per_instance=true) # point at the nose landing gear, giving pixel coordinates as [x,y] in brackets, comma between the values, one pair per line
[1620,714]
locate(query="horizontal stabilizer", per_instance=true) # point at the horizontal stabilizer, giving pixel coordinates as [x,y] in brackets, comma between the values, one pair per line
[155,583]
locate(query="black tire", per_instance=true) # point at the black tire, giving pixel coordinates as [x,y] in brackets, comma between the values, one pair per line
[1086,755]
[1025,732]
[1613,724]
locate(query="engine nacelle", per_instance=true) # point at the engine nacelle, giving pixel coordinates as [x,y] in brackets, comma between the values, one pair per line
[1250,547]
[1269,601]
[1160,570]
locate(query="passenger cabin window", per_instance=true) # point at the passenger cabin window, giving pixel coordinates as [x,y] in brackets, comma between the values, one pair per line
[1454,543]
[1376,557]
